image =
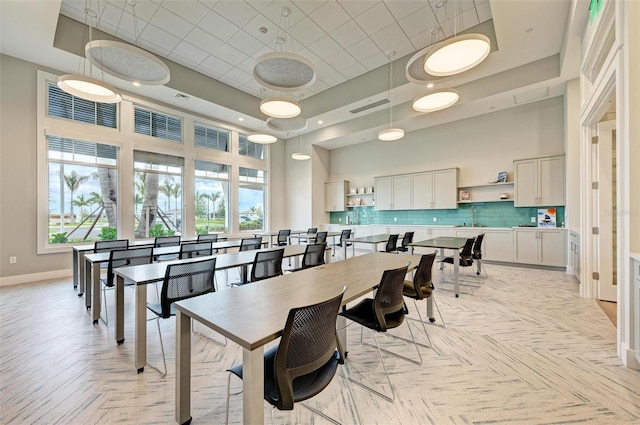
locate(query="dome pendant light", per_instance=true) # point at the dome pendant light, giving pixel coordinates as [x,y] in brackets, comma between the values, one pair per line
[300,156]
[391,134]
[261,138]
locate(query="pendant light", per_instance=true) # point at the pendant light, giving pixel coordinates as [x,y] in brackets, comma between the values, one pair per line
[436,100]
[458,53]
[300,156]
[391,133]
[87,87]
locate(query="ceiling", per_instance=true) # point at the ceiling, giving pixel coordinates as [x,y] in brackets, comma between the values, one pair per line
[211,47]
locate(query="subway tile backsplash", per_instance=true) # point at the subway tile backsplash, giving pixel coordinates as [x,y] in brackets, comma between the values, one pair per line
[489,214]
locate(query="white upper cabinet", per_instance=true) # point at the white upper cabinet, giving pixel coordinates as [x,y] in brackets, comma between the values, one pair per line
[335,195]
[539,181]
[419,191]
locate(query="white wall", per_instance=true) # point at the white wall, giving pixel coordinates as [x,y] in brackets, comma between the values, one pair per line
[480,147]
[572,147]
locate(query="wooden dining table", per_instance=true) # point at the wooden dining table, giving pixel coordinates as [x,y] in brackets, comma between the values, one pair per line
[142,275]
[254,315]
[374,240]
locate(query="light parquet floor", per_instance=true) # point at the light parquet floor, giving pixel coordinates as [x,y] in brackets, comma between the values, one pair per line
[524,349]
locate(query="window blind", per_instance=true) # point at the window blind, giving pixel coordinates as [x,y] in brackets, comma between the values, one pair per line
[211,138]
[158,125]
[64,105]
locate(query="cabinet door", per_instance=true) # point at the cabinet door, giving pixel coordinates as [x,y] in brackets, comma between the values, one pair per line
[384,193]
[551,186]
[335,195]
[526,246]
[422,191]
[498,245]
[401,192]
[552,248]
[445,189]
[436,232]
[526,183]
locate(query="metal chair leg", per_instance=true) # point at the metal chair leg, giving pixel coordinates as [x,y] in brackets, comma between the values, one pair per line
[164,360]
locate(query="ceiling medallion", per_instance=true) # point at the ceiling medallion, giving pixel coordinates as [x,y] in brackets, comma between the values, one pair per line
[287,124]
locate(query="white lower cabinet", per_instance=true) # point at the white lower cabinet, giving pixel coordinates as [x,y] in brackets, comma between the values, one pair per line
[497,244]
[542,247]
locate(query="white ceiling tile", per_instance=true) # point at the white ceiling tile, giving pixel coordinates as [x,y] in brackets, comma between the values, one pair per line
[190,52]
[348,34]
[111,15]
[363,49]
[334,79]
[374,61]
[307,54]
[356,7]
[319,86]
[154,48]
[217,25]
[353,70]
[216,65]
[389,36]
[239,76]
[308,6]
[374,19]
[259,21]
[230,54]
[401,8]
[422,40]
[247,65]
[143,10]
[73,13]
[263,51]
[341,60]
[323,69]
[402,48]
[208,72]
[156,36]
[325,47]
[191,11]
[330,16]
[418,22]
[182,61]
[209,3]
[128,25]
[484,11]
[274,9]
[258,5]
[306,31]
[171,22]
[204,40]
[245,43]
[237,12]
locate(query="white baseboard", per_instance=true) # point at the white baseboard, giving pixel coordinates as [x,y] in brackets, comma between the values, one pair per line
[34,277]
[629,357]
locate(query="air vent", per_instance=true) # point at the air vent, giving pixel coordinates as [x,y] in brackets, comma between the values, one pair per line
[369,106]
[181,96]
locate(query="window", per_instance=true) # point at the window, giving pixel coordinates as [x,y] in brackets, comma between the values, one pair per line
[157,194]
[64,105]
[211,138]
[251,195]
[211,197]
[83,191]
[157,125]
[248,148]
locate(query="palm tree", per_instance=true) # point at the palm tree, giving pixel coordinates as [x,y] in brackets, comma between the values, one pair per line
[211,197]
[177,191]
[73,182]
[167,189]
[81,202]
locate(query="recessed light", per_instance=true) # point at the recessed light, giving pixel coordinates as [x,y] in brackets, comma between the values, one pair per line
[137,84]
[240,119]
[430,85]
[320,122]
[440,3]
[529,29]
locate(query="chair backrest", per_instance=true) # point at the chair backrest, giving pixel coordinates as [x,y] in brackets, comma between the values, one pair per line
[283,236]
[321,237]
[267,264]
[314,255]
[166,241]
[312,230]
[186,280]
[211,237]
[477,247]
[388,306]
[104,246]
[392,242]
[422,277]
[466,255]
[346,234]
[198,249]
[128,257]
[248,244]
[406,239]
[309,343]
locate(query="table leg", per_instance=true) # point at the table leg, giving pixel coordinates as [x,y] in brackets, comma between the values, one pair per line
[119,309]
[353,250]
[183,368]
[430,309]
[253,386]
[76,266]
[141,327]
[478,267]
[341,326]
[87,284]
[344,250]
[95,285]
[456,270]
[441,264]
[81,277]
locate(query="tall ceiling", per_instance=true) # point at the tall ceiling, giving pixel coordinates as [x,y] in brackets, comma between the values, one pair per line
[211,47]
